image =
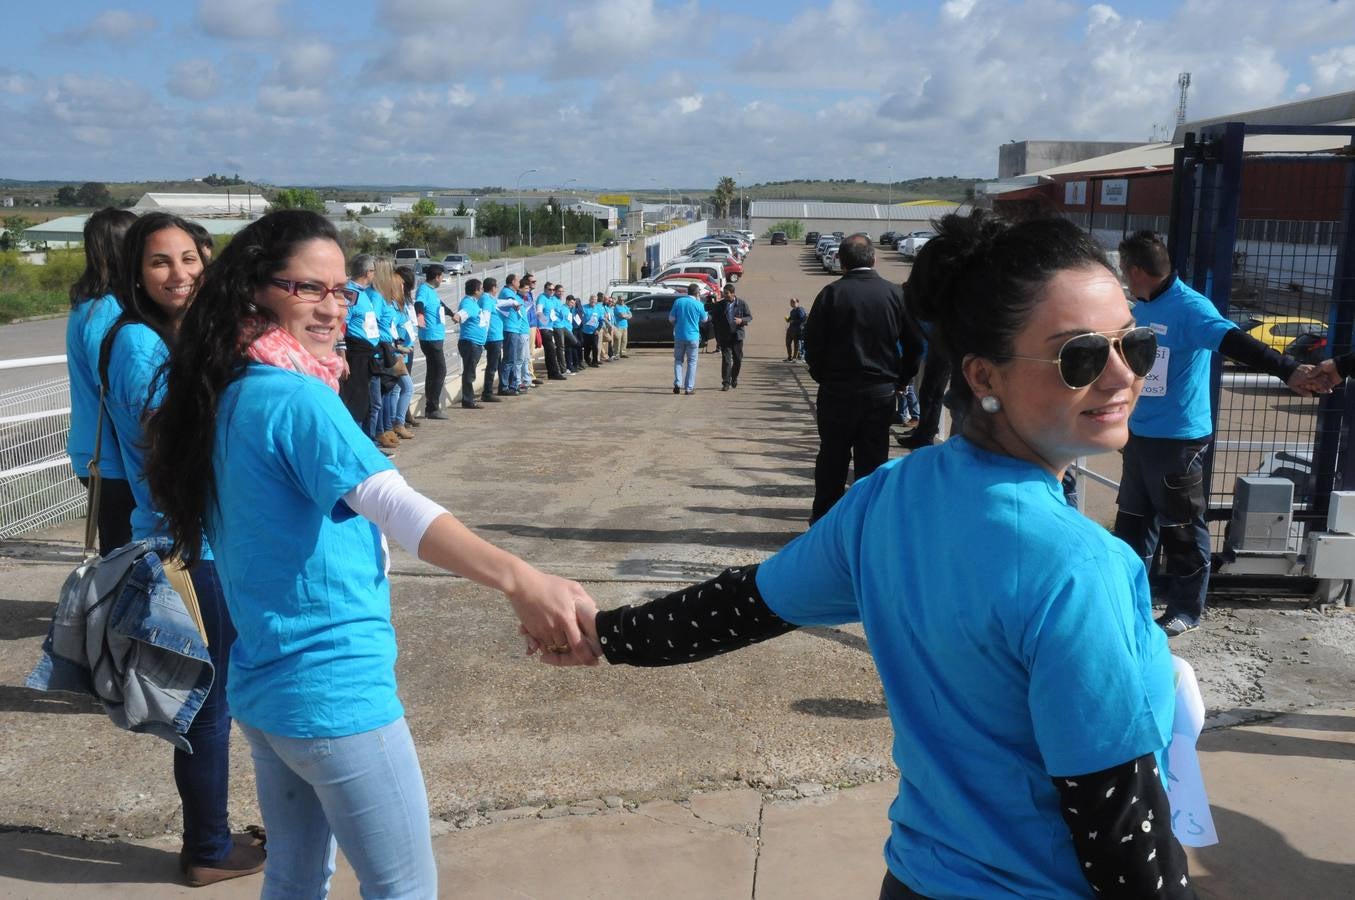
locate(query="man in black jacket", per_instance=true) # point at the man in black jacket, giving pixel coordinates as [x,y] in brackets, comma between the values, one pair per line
[861,348]
[730,316]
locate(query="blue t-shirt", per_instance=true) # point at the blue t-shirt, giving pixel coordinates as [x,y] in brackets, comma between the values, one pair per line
[303,576]
[592,317]
[86,327]
[433,328]
[529,304]
[514,318]
[559,313]
[621,313]
[362,325]
[385,315]
[407,329]
[494,326]
[133,390]
[1014,640]
[476,324]
[687,315]
[1175,398]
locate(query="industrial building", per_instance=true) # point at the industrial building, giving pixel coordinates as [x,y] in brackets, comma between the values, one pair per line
[873,218]
[204,206]
[1019,157]
[69,231]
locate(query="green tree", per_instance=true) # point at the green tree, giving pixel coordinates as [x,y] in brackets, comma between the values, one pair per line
[413,230]
[425,207]
[794,229]
[93,193]
[65,196]
[13,233]
[461,209]
[724,194]
[298,198]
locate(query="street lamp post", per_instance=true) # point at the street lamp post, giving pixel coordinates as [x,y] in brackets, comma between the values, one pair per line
[562,209]
[889,207]
[519,190]
[743,212]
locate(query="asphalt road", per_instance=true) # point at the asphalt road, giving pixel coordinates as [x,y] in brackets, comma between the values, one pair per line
[611,479]
[47,337]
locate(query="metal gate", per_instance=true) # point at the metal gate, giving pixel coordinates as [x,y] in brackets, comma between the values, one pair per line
[1268,238]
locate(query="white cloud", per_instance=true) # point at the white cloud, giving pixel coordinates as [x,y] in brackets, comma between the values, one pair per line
[292,102]
[307,63]
[597,35]
[241,19]
[110,25]
[194,79]
[12,82]
[1335,68]
[689,104]
[458,95]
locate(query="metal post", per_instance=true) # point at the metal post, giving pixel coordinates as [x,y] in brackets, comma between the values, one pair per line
[1327,450]
[519,190]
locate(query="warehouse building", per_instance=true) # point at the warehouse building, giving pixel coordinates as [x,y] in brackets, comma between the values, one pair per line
[872,218]
[69,231]
[204,206]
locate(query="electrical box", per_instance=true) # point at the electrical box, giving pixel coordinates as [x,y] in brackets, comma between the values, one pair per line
[1331,555]
[1262,511]
[1341,512]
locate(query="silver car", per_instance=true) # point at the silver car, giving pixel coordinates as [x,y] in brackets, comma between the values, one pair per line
[456,264]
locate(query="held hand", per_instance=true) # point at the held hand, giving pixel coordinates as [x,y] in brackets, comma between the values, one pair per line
[1308,380]
[1327,374]
[587,618]
[550,609]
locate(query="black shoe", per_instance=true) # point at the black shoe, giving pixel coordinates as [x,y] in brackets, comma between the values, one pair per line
[689,393]
[558,378]
[508,392]
[914,441]
[471,406]
[676,389]
[489,398]
[596,365]
[733,384]
[1175,624]
[435,414]
[724,387]
[537,382]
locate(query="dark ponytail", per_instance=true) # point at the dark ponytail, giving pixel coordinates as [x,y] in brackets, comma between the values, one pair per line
[207,357]
[977,281]
[104,233]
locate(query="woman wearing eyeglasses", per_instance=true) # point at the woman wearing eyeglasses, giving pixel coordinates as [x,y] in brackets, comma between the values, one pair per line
[253,447]
[163,263]
[1030,691]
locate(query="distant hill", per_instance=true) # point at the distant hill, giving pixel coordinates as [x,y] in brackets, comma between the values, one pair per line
[953,188]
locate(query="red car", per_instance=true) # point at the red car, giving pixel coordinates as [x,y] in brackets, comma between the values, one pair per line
[708,286]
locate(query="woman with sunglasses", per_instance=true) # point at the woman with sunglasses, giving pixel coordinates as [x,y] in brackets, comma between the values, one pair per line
[163,263]
[1031,694]
[253,447]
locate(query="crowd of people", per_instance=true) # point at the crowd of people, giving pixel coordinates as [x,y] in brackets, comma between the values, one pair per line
[393,312]
[250,396]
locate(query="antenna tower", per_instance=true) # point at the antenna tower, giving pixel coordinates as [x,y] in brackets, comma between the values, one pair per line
[1184,81]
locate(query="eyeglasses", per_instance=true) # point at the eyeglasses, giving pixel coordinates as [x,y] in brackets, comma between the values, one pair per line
[1083,357]
[314,292]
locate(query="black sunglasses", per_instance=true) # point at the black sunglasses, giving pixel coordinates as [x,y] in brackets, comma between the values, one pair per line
[1083,357]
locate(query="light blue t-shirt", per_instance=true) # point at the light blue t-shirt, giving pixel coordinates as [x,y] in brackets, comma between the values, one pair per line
[362,324]
[303,576]
[407,329]
[559,313]
[1014,640]
[1189,330]
[433,328]
[514,318]
[86,327]
[687,315]
[133,390]
[385,314]
[477,322]
[621,313]
[592,317]
[494,327]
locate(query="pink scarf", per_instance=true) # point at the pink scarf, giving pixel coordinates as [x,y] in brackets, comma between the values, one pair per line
[275,347]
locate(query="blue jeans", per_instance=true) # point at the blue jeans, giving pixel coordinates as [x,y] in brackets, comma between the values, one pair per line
[908,405]
[362,792]
[374,408]
[508,366]
[203,776]
[522,359]
[406,391]
[1161,501]
[684,364]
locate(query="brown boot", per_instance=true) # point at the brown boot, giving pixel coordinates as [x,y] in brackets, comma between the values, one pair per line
[388,439]
[403,432]
[247,857]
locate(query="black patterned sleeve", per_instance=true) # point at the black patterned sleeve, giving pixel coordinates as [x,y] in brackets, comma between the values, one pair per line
[1121,825]
[695,623]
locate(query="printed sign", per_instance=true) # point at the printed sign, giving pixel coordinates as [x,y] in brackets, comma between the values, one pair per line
[1074,193]
[1192,822]
[1115,192]
[614,199]
[1155,382]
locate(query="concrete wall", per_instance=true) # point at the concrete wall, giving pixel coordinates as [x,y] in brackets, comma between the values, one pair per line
[875,227]
[1036,156]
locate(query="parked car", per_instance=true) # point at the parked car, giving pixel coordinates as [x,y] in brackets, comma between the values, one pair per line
[1277,332]
[714,270]
[830,261]
[778,237]
[414,257]
[625,292]
[1309,348]
[811,238]
[456,264]
[914,242]
[888,238]
[649,317]
[824,243]
[679,283]
[582,249]
[750,235]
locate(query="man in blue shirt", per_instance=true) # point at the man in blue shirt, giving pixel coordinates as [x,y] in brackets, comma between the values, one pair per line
[432,334]
[1162,496]
[512,314]
[622,313]
[474,323]
[687,316]
[547,318]
[591,311]
[489,302]
[362,334]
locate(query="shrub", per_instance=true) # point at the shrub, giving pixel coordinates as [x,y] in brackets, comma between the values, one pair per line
[794,229]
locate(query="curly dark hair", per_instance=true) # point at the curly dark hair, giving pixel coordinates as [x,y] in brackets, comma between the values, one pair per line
[208,356]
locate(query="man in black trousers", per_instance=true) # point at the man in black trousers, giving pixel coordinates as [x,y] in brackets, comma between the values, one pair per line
[861,348]
[730,316]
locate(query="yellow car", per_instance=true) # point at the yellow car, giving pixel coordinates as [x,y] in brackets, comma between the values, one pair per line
[1277,332]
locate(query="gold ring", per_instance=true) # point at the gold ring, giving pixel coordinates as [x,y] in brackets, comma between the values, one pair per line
[558,648]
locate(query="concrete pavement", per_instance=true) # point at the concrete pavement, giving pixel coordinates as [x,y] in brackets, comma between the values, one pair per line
[611,479]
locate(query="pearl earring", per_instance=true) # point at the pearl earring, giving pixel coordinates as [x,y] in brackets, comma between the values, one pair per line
[990,404]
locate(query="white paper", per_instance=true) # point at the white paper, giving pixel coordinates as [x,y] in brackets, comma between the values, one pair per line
[370,327]
[1192,822]
[1155,382]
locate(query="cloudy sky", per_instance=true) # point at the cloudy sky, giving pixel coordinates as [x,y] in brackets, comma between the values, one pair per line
[626,93]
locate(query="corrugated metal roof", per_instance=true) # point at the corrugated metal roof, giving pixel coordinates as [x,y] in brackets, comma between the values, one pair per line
[816,209]
[1159,155]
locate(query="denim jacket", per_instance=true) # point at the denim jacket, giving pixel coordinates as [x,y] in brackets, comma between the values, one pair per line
[121,633]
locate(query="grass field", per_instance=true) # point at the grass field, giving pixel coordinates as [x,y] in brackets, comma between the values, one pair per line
[29,303]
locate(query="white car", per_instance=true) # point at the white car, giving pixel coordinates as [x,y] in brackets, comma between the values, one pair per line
[909,246]
[830,261]
[456,264]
